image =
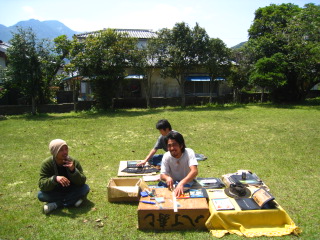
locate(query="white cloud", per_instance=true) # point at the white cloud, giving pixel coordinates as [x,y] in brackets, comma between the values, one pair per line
[82,25]
[155,17]
[28,9]
[29,13]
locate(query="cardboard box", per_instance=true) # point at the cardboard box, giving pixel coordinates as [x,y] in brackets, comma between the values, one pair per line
[125,189]
[192,213]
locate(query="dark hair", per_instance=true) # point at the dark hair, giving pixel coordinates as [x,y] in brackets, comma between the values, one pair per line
[163,124]
[177,137]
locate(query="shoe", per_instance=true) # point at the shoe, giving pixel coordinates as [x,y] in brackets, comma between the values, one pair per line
[49,207]
[78,203]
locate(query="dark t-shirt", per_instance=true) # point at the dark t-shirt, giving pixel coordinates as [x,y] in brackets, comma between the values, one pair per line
[160,144]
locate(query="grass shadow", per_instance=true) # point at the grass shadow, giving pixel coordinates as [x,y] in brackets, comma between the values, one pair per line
[182,233]
[126,203]
[138,112]
[135,112]
[310,103]
[74,212]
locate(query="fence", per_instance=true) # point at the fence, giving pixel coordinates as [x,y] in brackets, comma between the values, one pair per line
[126,103]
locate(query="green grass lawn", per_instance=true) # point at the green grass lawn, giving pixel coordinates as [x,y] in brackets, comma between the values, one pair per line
[279,143]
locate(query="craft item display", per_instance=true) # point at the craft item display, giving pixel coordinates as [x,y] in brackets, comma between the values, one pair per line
[191,213]
[255,213]
[244,177]
[210,182]
[237,190]
[212,203]
[261,199]
[222,204]
[130,168]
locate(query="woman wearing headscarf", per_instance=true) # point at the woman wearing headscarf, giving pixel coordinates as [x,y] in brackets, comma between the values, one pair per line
[62,181]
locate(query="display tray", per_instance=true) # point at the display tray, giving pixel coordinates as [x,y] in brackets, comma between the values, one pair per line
[124,164]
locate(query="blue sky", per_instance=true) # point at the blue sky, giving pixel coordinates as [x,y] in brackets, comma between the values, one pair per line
[228,20]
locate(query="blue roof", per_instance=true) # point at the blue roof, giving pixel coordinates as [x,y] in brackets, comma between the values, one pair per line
[134,77]
[202,79]
[198,78]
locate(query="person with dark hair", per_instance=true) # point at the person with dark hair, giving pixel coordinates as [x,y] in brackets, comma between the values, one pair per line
[179,165]
[62,181]
[164,128]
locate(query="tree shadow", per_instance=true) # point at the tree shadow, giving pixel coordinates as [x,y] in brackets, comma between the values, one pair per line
[124,112]
[309,104]
[138,112]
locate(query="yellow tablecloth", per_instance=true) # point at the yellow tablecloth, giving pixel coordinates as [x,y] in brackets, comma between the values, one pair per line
[249,223]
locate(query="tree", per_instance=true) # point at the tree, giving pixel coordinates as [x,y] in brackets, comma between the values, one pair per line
[182,50]
[70,69]
[217,62]
[3,82]
[33,64]
[239,71]
[269,73]
[304,51]
[24,68]
[52,62]
[292,32]
[103,58]
[145,63]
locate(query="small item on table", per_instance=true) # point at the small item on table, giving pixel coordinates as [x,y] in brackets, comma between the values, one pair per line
[148,202]
[144,194]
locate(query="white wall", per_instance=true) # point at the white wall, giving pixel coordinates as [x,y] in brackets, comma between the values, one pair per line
[2,62]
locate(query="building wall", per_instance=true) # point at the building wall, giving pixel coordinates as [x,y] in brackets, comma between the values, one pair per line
[169,87]
[161,87]
[2,62]
[2,58]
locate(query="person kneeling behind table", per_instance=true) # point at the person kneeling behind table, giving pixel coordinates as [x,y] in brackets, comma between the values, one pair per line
[164,128]
[62,181]
[179,165]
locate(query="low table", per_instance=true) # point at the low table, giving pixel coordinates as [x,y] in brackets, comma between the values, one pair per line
[249,223]
[192,213]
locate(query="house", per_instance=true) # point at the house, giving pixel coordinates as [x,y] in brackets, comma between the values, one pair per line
[3,57]
[141,34]
[197,84]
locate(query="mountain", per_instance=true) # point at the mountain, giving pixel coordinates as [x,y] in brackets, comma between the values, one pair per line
[238,45]
[43,29]
[46,29]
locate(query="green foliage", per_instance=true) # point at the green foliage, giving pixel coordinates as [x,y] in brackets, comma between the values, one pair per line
[269,72]
[3,81]
[32,65]
[24,66]
[182,50]
[292,32]
[103,58]
[304,50]
[217,61]
[239,71]
[53,62]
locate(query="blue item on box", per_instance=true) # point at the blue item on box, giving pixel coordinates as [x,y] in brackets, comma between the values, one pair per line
[148,202]
[144,194]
